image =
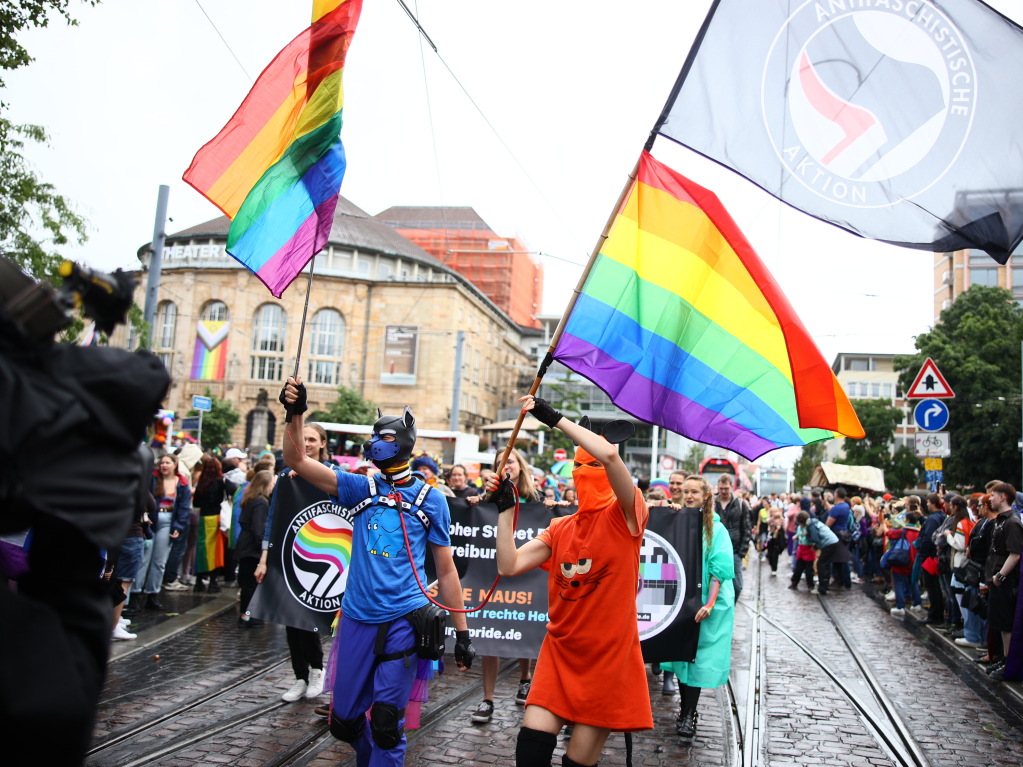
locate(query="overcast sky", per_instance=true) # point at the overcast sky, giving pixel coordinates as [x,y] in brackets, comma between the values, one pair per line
[572,90]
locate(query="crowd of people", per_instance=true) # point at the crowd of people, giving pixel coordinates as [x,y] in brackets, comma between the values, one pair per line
[945,560]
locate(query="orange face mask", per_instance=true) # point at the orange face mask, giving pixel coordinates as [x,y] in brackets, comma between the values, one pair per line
[591,483]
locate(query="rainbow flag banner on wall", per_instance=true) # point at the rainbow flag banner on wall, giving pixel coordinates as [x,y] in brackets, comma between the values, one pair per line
[210,357]
[681,324]
[275,169]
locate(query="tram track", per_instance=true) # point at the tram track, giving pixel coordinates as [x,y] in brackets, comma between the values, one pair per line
[877,710]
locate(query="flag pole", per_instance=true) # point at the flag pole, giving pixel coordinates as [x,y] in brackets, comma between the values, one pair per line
[301,329]
[549,357]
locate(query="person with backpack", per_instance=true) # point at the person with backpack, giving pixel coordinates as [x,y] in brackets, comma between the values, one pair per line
[899,557]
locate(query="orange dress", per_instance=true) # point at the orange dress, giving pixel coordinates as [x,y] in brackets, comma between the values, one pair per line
[590,669]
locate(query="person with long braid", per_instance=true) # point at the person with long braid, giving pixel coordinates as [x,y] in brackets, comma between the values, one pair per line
[716,617]
[590,670]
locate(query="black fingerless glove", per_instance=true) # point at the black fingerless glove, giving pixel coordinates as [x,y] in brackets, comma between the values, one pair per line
[464,652]
[544,413]
[300,405]
[504,495]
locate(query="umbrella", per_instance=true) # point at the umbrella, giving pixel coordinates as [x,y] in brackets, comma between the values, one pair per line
[562,469]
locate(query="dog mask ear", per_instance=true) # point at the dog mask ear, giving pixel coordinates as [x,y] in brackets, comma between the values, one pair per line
[618,431]
[380,414]
[407,418]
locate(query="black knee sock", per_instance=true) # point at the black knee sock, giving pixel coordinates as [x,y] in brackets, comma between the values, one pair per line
[566,762]
[534,748]
[690,695]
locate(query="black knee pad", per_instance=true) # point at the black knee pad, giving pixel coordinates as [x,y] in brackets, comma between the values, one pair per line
[383,725]
[347,730]
[566,762]
[534,748]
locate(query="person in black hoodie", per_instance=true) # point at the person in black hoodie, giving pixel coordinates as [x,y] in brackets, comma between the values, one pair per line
[925,548]
[255,508]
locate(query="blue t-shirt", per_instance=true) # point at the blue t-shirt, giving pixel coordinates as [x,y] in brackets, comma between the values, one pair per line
[840,513]
[381,586]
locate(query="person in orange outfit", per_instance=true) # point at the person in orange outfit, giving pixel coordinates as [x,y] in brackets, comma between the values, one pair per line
[592,643]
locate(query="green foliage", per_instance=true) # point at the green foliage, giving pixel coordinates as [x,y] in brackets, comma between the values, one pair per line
[694,455]
[976,345]
[218,422]
[566,397]
[349,407]
[35,221]
[879,419]
[802,467]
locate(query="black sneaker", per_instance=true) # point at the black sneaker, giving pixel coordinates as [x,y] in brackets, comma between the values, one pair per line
[523,693]
[483,713]
[323,711]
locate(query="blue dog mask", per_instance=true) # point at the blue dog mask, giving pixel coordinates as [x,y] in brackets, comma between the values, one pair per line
[386,454]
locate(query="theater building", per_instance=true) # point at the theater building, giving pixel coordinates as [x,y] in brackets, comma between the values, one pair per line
[383,320]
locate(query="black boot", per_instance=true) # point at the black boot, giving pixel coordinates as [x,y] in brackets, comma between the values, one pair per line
[214,586]
[685,725]
[152,603]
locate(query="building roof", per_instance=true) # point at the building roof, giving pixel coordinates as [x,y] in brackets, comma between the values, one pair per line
[353,227]
[432,217]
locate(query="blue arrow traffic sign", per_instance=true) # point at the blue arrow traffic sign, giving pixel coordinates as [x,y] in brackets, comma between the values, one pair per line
[931,415]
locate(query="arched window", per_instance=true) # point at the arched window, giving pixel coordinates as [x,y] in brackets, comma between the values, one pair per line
[215,311]
[326,345]
[268,343]
[163,337]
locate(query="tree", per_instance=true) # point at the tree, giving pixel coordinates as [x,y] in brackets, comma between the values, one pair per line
[349,407]
[218,422]
[903,470]
[976,345]
[694,456]
[34,219]
[802,467]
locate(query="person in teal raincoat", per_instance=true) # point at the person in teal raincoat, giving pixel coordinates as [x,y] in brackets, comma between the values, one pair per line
[716,616]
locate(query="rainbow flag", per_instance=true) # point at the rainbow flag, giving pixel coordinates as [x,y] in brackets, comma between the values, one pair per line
[681,324]
[210,356]
[275,169]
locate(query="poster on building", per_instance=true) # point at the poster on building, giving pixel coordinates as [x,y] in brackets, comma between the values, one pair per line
[401,347]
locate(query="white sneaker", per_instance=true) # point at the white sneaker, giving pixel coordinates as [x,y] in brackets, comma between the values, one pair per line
[918,610]
[125,621]
[315,686]
[121,634]
[296,691]
[964,642]
[897,612]
[890,596]
[175,586]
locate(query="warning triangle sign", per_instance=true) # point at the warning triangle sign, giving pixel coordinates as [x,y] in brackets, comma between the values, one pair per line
[929,382]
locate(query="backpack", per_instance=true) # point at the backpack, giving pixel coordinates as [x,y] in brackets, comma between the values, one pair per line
[854,528]
[897,554]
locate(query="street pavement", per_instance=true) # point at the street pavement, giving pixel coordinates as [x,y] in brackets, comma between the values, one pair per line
[194,655]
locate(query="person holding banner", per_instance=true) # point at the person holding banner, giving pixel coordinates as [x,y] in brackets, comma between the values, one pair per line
[520,474]
[590,670]
[714,652]
[395,516]
[304,645]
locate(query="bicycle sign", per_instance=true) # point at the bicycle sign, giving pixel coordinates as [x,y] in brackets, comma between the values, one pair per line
[936,444]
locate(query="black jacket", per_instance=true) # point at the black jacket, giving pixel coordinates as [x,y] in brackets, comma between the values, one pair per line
[736,519]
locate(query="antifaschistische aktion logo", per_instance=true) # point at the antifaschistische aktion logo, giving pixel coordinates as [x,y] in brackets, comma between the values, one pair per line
[882,121]
[316,554]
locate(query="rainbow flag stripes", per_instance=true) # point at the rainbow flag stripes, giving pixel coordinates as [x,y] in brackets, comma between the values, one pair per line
[681,324]
[210,357]
[275,169]
[321,544]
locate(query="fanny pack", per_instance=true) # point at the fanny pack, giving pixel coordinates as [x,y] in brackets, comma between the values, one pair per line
[428,624]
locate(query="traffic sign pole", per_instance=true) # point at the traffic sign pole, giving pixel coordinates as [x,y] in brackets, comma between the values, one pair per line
[198,436]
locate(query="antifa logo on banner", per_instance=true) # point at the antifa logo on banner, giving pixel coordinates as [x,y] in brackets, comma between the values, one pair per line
[310,553]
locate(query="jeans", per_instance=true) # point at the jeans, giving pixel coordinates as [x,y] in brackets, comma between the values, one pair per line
[177,552]
[737,583]
[150,575]
[974,627]
[906,590]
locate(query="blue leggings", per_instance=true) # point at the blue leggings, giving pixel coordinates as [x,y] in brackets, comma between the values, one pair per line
[363,680]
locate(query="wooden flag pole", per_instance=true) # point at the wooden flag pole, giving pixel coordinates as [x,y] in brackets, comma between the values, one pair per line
[301,329]
[549,357]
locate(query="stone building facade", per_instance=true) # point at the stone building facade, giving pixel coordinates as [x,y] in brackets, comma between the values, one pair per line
[383,320]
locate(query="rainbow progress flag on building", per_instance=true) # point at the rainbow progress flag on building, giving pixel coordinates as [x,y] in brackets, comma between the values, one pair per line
[209,360]
[275,169]
[681,324]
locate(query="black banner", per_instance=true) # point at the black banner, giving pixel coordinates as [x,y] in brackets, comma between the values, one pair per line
[310,551]
[308,558]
